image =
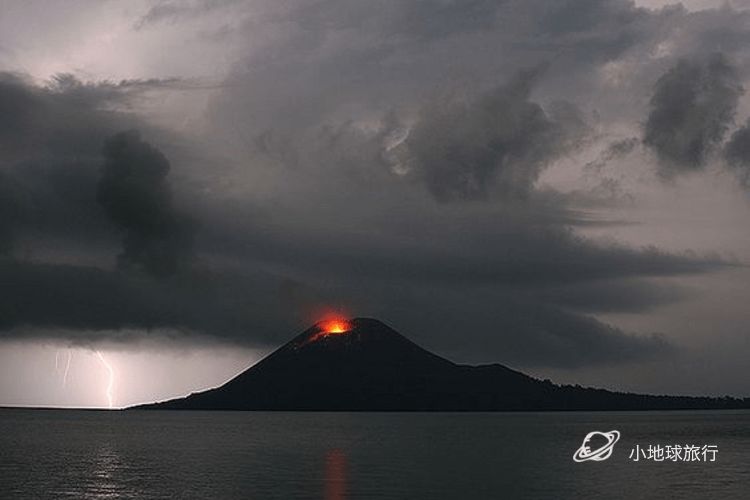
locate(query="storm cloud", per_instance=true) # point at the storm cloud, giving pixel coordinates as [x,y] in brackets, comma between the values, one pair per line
[692,108]
[134,193]
[737,153]
[408,160]
[497,143]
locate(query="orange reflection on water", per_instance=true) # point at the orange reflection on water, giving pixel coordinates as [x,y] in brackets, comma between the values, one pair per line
[335,478]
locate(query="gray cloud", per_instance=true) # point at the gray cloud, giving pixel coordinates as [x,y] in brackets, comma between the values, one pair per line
[50,143]
[134,193]
[171,11]
[737,153]
[461,252]
[497,143]
[418,19]
[65,116]
[692,108]
[81,303]
[562,339]
[9,212]
[615,150]
[51,137]
[90,304]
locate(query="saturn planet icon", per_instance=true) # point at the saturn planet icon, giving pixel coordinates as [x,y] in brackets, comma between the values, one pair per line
[603,452]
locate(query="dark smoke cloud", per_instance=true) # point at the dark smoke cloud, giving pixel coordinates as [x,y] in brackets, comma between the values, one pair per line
[10,212]
[51,138]
[692,108]
[737,153]
[495,144]
[134,193]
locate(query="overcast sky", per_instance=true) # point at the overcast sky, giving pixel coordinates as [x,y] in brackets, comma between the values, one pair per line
[559,186]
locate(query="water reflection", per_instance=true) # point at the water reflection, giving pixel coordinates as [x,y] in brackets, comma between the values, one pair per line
[335,478]
[105,466]
[109,475]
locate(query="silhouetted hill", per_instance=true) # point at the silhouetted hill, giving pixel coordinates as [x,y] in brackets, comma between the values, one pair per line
[365,365]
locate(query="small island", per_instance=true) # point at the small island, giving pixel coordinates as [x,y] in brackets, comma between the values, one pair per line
[364,365]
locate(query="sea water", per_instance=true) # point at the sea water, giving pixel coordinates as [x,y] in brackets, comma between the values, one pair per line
[61,454]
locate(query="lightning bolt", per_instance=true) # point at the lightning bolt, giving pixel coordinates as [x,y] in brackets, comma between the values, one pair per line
[67,368]
[111,383]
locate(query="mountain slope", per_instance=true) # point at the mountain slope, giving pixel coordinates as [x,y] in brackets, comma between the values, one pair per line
[365,365]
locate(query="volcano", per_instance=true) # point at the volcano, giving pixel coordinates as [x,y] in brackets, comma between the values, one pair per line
[364,365]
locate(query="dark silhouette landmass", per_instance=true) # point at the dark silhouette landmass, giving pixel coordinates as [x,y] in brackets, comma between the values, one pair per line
[371,367]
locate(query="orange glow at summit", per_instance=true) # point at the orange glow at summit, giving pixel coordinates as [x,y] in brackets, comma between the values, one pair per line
[335,326]
[332,326]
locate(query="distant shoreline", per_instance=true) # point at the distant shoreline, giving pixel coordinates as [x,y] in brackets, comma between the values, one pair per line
[132,409]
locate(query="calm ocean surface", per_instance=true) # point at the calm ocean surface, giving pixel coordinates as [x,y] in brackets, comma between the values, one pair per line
[224,455]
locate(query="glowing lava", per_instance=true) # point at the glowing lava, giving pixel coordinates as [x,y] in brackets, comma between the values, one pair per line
[331,327]
[335,326]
